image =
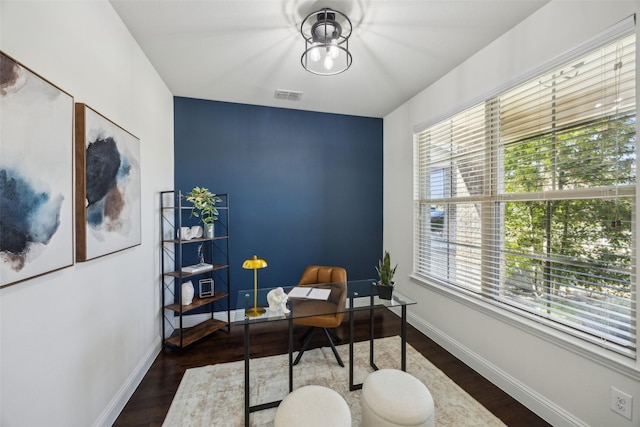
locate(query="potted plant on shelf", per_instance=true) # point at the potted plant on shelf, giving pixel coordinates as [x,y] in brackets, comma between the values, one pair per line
[204,207]
[385,276]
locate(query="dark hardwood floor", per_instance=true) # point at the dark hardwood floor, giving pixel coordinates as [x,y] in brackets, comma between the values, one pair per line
[150,402]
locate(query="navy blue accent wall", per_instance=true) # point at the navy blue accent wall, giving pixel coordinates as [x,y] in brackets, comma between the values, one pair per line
[304,188]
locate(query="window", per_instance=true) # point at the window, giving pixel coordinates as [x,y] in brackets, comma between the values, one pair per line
[528,199]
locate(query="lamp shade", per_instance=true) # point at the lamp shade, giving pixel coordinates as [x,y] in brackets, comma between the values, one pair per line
[254,263]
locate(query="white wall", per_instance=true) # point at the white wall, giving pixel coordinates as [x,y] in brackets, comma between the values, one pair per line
[74,343]
[561,380]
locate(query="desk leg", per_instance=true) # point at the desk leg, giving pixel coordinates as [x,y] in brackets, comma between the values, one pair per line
[246,374]
[403,334]
[351,386]
[247,355]
[371,333]
[290,355]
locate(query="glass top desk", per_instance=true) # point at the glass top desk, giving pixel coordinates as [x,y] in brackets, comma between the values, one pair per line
[362,295]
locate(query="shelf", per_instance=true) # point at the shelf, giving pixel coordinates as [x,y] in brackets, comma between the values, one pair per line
[197,303]
[185,275]
[195,333]
[190,208]
[195,239]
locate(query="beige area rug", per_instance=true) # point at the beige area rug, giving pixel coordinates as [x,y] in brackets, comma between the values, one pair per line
[214,395]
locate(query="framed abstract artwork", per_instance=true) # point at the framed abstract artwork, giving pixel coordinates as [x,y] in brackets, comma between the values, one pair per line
[107,186]
[36,174]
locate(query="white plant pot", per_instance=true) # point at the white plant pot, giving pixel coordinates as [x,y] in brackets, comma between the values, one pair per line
[208,231]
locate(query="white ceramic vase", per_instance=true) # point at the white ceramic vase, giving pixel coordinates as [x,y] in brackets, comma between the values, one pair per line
[196,232]
[187,293]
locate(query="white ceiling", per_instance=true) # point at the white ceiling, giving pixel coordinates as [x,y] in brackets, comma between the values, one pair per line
[243,50]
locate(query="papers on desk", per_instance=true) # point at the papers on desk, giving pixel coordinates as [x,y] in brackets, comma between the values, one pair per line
[306,292]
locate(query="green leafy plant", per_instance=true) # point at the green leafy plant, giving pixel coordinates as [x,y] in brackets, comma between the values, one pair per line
[385,272]
[204,204]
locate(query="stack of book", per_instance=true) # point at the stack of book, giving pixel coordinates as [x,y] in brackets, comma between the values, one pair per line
[197,268]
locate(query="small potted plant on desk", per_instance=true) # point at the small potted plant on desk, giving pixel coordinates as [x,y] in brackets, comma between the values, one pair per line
[385,276]
[204,207]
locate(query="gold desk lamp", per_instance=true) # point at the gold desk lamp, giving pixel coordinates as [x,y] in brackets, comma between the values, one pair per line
[254,264]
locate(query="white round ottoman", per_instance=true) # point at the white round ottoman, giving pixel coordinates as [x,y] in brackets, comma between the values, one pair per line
[391,397]
[313,406]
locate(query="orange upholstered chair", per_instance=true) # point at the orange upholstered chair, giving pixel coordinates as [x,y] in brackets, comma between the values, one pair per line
[331,311]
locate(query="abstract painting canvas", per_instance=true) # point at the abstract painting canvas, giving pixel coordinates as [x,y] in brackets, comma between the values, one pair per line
[107,186]
[36,174]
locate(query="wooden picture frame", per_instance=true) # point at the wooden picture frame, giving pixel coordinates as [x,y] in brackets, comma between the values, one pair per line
[36,174]
[108,204]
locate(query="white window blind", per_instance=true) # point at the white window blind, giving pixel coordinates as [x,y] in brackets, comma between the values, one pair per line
[528,198]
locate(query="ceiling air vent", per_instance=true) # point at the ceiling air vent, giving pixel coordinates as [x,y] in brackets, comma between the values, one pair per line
[289,95]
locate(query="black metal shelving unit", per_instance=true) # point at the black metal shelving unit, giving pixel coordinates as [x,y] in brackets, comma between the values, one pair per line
[176,253]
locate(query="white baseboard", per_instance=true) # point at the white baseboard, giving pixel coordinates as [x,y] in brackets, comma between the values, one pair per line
[117,404]
[111,412]
[537,403]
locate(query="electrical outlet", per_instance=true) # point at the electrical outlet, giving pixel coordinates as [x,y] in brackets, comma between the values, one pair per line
[621,402]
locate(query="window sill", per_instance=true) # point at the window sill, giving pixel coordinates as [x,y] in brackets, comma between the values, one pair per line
[622,364]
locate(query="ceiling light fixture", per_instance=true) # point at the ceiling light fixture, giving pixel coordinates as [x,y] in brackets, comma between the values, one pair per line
[326,42]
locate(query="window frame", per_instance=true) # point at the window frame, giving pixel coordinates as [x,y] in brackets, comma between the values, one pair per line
[487,201]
